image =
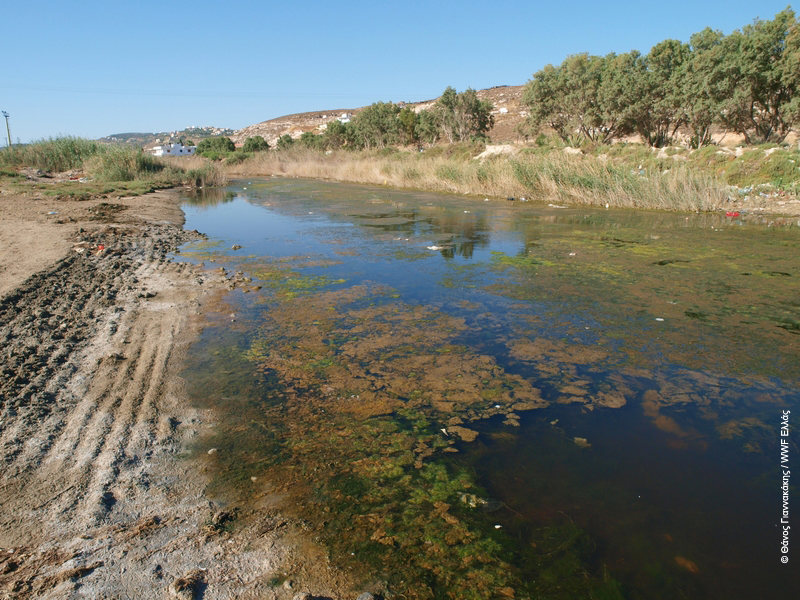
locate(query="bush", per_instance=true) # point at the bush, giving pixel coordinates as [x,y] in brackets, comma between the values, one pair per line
[215,144]
[236,158]
[110,163]
[311,141]
[255,144]
[285,142]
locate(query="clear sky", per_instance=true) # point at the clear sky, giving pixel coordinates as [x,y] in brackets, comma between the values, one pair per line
[92,69]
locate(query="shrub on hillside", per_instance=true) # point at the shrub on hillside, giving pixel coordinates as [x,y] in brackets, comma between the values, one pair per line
[285,142]
[255,144]
[220,144]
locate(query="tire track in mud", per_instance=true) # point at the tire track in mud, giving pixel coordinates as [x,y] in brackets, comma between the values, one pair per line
[93,502]
[68,401]
[133,388]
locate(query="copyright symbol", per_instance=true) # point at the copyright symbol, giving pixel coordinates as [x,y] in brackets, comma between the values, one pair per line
[784,559]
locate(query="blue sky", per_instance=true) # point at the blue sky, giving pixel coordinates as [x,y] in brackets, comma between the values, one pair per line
[92,69]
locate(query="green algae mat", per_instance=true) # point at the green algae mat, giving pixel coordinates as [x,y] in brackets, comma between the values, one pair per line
[469,398]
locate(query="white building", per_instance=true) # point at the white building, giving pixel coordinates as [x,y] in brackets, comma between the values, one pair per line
[172,150]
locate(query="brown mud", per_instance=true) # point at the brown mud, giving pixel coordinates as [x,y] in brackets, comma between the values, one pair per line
[98,497]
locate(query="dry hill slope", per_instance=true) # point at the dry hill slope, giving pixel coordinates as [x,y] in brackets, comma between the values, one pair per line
[509,113]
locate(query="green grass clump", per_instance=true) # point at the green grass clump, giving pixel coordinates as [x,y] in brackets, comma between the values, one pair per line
[710,159]
[754,167]
[235,158]
[449,172]
[7,174]
[461,151]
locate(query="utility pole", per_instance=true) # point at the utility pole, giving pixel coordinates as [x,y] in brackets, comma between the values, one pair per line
[8,129]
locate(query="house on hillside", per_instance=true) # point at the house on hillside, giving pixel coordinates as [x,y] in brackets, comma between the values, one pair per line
[172,150]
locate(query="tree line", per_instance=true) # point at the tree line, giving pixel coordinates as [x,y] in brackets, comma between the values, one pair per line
[746,82]
[455,116]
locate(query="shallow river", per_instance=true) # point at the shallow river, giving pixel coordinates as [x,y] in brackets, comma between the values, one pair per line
[472,398]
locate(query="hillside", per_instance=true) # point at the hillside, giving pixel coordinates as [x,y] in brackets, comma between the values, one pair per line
[508,113]
[146,140]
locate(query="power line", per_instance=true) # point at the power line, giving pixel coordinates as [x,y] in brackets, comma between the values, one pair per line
[194,93]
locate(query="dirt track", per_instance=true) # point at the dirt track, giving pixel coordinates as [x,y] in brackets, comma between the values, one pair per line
[94,498]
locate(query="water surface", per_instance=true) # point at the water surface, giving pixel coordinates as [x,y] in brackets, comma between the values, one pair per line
[563,392]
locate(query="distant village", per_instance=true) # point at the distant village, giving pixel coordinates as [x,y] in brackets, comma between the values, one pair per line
[169,143]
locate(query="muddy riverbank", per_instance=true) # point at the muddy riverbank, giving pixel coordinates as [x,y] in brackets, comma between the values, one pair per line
[98,497]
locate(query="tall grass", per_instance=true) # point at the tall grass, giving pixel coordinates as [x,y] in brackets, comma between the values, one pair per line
[545,177]
[196,171]
[125,163]
[53,154]
[112,163]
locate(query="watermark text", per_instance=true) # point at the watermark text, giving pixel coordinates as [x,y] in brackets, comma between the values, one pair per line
[785,475]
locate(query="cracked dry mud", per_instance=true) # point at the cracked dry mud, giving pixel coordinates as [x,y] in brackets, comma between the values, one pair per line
[95,498]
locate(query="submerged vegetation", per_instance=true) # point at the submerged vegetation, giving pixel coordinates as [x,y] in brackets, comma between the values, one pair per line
[373,404]
[362,449]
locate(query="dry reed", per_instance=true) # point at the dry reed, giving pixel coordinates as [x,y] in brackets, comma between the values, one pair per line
[552,177]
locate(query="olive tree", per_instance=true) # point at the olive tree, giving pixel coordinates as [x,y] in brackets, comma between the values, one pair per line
[462,116]
[427,127]
[376,126]
[700,85]
[285,142]
[580,99]
[337,135]
[653,103]
[759,78]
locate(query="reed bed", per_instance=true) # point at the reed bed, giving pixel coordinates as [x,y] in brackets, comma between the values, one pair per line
[53,154]
[196,171]
[548,177]
[113,163]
